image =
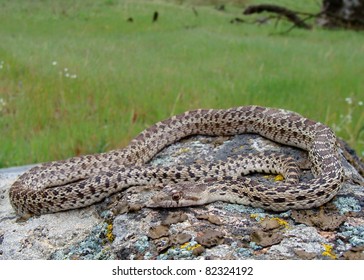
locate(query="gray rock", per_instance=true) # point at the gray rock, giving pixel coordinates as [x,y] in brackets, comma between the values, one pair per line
[301,237]
[39,237]
[118,227]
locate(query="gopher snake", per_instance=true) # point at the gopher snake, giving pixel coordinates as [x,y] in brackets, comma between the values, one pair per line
[84,180]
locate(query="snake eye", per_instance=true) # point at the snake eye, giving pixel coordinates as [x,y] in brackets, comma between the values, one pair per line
[176,196]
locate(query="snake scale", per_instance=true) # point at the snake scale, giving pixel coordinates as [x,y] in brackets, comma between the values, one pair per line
[84,180]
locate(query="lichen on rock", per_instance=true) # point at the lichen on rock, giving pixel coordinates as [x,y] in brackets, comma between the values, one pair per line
[122,228]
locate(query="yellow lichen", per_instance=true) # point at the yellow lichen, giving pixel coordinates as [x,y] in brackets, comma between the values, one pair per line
[276,178]
[237,149]
[185,245]
[189,247]
[256,217]
[182,151]
[279,177]
[329,251]
[109,235]
[194,247]
[281,222]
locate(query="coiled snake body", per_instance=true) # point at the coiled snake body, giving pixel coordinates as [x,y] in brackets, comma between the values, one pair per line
[84,180]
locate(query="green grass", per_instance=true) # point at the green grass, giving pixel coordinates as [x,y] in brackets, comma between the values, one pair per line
[131,75]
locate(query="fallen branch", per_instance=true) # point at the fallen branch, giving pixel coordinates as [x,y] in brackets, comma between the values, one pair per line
[290,15]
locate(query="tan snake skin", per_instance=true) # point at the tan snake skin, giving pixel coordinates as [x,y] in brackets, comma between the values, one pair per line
[84,180]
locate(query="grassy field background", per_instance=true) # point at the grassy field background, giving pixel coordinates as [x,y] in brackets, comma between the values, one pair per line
[76,77]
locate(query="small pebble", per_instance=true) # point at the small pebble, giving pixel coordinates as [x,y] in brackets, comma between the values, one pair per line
[210,238]
[174,218]
[158,231]
[180,238]
[198,250]
[211,218]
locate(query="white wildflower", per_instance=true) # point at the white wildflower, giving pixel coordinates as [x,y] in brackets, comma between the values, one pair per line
[336,127]
[67,75]
[349,100]
[347,118]
[360,103]
[73,76]
[65,69]
[54,63]
[2,104]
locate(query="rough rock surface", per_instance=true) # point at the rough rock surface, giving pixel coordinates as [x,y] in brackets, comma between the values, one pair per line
[121,228]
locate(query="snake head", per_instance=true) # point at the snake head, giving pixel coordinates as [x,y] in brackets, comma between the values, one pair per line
[180,195]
